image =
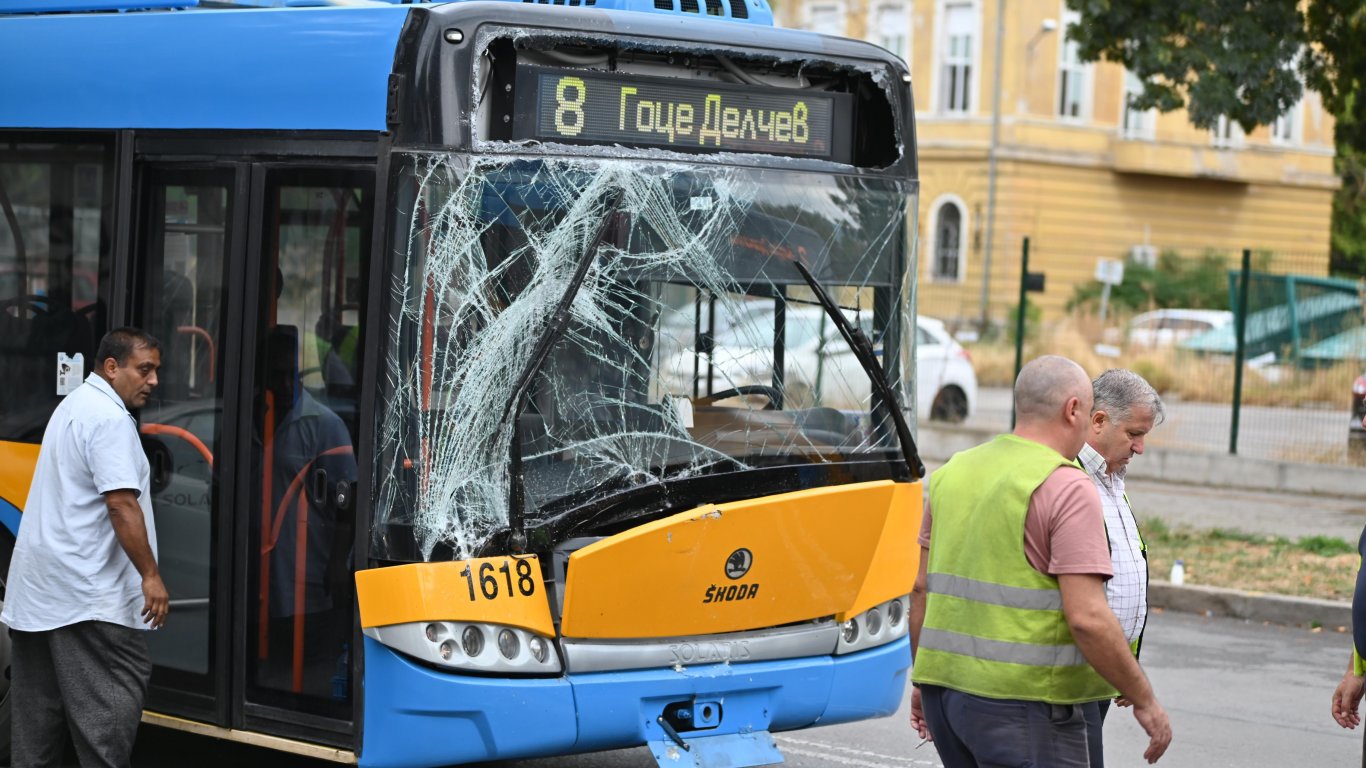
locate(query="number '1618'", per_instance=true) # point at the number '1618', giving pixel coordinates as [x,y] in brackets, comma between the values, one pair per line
[489,583]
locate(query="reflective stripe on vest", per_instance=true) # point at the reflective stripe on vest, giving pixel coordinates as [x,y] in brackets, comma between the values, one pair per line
[995,594]
[999,650]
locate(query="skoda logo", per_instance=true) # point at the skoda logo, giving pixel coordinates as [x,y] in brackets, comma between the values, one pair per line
[737,565]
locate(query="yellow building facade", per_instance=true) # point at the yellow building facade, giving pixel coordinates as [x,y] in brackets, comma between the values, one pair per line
[1077,171]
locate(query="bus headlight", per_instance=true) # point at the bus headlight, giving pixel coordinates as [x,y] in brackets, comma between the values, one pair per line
[508,644]
[472,640]
[458,645]
[876,626]
[849,631]
[539,648]
[895,613]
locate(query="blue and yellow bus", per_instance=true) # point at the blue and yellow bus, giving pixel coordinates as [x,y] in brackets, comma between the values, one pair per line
[533,373]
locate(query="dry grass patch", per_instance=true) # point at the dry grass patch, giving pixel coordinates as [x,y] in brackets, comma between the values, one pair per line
[1173,372]
[1316,566]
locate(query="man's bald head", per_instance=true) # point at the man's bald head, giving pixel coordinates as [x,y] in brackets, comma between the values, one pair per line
[1046,384]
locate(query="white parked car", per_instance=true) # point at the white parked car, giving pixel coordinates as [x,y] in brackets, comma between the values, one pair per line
[946,383]
[1167,327]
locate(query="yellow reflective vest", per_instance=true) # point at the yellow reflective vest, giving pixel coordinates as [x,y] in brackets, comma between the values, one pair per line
[993,624]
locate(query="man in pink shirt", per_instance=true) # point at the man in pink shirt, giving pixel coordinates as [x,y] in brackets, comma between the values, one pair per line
[1064,539]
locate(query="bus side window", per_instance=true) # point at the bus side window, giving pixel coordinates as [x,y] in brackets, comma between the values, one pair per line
[54,259]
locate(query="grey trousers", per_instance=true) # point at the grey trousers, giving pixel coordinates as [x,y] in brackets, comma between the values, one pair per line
[91,677]
[977,732]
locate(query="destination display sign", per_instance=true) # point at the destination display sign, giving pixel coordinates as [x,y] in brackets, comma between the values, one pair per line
[580,107]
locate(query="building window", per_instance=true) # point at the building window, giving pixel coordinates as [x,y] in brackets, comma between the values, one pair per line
[827,19]
[955,56]
[1286,129]
[1072,73]
[1226,134]
[1137,123]
[889,29]
[947,261]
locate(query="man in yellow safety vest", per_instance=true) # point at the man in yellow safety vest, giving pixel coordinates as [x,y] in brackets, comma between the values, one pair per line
[1010,626]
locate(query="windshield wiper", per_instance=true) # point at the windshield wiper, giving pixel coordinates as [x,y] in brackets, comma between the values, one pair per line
[554,330]
[867,358]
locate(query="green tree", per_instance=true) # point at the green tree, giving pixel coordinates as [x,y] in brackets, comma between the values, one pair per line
[1237,58]
[1349,204]
[1247,60]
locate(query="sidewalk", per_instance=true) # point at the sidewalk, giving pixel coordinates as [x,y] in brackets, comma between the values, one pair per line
[1220,491]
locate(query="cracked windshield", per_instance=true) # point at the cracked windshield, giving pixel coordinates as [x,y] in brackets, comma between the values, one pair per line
[568,330]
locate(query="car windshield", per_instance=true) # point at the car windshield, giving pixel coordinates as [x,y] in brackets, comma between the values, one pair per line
[666,367]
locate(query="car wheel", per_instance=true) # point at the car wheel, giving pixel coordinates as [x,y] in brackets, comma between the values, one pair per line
[951,404]
[6,552]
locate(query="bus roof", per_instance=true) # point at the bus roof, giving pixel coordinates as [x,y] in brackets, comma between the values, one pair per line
[255,68]
[136,64]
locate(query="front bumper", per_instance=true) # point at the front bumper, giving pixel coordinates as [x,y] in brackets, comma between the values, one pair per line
[417,717]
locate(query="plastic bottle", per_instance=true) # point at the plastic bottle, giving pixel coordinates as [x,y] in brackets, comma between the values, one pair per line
[1178,572]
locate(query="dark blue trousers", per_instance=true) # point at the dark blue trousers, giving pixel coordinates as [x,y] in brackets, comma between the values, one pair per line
[976,732]
[1095,712]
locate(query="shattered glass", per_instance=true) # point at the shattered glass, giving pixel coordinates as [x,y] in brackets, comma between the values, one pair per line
[667,364]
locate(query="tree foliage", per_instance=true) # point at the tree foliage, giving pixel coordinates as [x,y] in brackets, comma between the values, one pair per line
[1349,214]
[1348,257]
[1243,59]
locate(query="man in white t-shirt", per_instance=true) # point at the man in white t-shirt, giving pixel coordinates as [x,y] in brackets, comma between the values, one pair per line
[1125,410]
[84,580]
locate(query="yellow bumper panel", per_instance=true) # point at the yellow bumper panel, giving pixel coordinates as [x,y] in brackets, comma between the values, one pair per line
[496,590]
[17,461]
[748,564]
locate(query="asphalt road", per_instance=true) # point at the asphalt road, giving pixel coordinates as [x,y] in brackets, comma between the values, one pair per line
[1238,694]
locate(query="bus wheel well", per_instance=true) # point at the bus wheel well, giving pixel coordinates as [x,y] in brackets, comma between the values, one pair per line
[950,404]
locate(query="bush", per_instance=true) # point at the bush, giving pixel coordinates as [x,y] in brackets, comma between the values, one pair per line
[1177,281]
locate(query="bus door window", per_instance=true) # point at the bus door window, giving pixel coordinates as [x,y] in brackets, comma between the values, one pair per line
[305,431]
[54,266]
[183,302]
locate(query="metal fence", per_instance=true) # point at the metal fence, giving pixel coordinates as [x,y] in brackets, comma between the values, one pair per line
[1273,382]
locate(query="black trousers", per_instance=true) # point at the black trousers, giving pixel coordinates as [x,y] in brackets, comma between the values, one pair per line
[89,677]
[977,732]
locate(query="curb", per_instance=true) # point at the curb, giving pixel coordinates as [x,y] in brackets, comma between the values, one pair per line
[1251,606]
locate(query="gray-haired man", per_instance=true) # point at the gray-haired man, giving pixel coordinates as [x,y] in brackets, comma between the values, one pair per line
[1125,410]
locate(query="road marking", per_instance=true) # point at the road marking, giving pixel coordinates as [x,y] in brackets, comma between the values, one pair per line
[861,758]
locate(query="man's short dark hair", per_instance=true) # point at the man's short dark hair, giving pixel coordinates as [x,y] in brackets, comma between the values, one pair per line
[120,343]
